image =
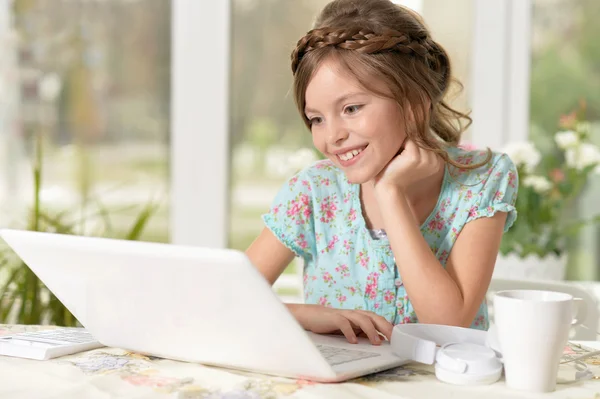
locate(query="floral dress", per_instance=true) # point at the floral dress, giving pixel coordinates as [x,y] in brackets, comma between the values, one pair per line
[318,215]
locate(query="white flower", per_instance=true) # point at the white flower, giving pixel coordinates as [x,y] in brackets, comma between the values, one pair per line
[583,156]
[566,139]
[523,153]
[539,183]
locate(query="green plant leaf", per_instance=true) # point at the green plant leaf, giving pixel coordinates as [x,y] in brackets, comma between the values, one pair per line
[141,221]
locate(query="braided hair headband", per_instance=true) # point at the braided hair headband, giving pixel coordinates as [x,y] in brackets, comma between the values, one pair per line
[361,40]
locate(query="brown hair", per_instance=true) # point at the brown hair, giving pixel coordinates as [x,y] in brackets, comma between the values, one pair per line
[377,39]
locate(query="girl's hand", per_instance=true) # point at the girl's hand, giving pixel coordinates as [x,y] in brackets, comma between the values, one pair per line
[324,320]
[410,166]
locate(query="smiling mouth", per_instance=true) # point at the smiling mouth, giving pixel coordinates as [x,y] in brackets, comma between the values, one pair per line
[347,156]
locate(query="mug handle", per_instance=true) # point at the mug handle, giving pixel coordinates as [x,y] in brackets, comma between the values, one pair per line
[581,313]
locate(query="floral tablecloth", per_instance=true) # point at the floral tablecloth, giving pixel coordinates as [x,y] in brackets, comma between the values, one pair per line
[116,373]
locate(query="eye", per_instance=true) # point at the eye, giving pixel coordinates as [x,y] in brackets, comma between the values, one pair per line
[352,109]
[314,121]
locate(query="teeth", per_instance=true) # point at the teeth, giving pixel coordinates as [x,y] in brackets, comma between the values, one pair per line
[349,155]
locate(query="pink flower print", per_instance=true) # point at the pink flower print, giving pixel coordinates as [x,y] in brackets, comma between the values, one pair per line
[340,297]
[301,242]
[408,319]
[382,267]
[293,181]
[319,237]
[389,297]
[333,241]
[328,278]
[325,181]
[400,307]
[328,208]
[343,270]
[308,294]
[306,213]
[371,289]
[465,160]
[479,321]
[498,196]
[347,197]
[299,209]
[445,204]
[512,178]
[275,209]
[363,259]
[352,215]
[306,184]
[352,290]
[323,301]
[436,223]
[451,218]
[304,199]
[443,257]
[454,233]
[469,194]
[377,305]
[331,245]
[473,212]
[347,246]
[432,225]
[294,209]
[308,278]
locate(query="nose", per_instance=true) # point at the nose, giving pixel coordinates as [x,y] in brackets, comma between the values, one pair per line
[337,134]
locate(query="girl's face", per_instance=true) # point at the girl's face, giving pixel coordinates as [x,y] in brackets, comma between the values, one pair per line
[356,129]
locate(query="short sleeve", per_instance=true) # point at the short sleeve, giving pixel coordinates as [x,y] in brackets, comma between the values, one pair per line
[499,192]
[291,216]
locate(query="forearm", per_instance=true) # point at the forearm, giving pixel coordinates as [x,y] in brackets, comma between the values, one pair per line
[435,296]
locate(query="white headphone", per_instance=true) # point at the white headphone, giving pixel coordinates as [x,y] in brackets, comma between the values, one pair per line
[465,356]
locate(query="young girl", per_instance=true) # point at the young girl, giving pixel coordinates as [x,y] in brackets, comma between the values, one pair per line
[398,224]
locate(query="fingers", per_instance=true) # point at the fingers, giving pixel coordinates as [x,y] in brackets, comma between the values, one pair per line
[420,156]
[346,328]
[366,325]
[381,323]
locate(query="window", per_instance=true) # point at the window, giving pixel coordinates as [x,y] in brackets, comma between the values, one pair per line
[565,55]
[266,130]
[91,80]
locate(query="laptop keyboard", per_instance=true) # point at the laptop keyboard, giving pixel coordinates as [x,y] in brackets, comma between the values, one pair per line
[62,336]
[335,355]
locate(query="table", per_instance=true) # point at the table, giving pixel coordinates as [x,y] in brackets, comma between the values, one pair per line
[112,372]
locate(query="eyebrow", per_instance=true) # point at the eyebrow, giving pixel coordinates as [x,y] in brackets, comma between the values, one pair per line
[339,100]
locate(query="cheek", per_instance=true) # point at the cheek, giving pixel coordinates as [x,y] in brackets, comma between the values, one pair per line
[318,140]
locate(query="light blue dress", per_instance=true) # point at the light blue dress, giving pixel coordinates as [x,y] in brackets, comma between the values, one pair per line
[317,214]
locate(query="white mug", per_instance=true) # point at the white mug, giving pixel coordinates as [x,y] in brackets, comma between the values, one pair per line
[532,330]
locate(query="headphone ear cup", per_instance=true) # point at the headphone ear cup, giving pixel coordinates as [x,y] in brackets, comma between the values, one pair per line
[467,364]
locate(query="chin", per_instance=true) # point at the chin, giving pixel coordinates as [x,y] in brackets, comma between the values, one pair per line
[359,176]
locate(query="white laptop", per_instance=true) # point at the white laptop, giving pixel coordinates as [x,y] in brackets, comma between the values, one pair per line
[209,306]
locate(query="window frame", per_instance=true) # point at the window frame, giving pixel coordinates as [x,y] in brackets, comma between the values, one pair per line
[200,151]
